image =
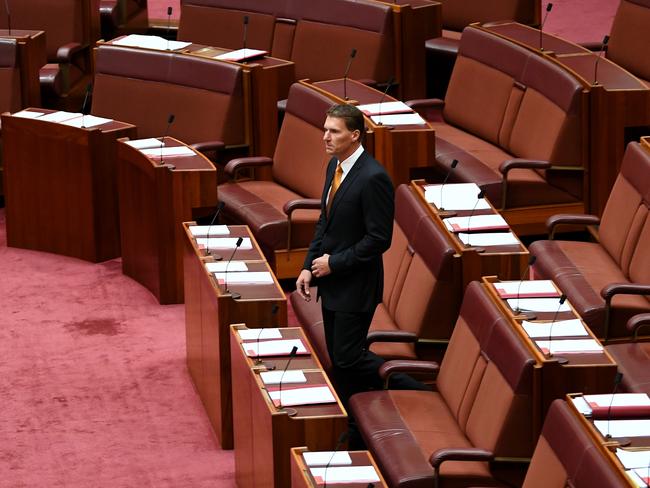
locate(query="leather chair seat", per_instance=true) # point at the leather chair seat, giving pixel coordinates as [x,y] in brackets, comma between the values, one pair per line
[260,204]
[415,424]
[585,268]
[633,361]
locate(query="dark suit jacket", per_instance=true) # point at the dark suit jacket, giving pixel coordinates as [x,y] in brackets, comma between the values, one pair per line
[356,233]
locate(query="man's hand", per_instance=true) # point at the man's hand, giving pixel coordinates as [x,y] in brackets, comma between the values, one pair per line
[321,266]
[302,284]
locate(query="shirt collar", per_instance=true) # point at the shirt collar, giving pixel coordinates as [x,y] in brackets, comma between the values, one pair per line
[347,164]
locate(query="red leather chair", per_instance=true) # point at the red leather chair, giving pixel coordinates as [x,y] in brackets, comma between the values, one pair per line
[123,17]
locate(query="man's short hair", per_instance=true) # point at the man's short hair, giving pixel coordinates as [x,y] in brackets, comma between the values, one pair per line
[351,115]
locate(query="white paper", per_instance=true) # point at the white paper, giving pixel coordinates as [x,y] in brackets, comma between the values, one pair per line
[385,108]
[351,474]
[220,266]
[398,119]
[28,114]
[87,121]
[526,289]
[581,405]
[624,428]
[255,334]
[215,230]
[224,243]
[476,222]
[488,239]
[539,304]
[634,459]
[455,196]
[571,346]
[325,458]
[286,377]
[309,395]
[638,476]
[561,328]
[619,400]
[246,277]
[59,116]
[145,143]
[150,42]
[168,151]
[240,54]
[281,347]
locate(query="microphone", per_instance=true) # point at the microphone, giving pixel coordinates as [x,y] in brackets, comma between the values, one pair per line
[353,53]
[170,121]
[292,354]
[258,359]
[220,205]
[617,381]
[342,440]
[454,163]
[169,23]
[549,7]
[245,31]
[8,16]
[84,107]
[480,195]
[559,359]
[390,83]
[234,295]
[517,310]
[603,49]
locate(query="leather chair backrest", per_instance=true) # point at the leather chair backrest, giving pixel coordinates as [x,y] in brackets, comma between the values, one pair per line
[630,37]
[458,14]
[143,87]
[486,378]
[625,224]
[300,160]
[10,92]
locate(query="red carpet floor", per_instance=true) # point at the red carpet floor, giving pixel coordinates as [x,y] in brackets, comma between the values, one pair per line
[94,388]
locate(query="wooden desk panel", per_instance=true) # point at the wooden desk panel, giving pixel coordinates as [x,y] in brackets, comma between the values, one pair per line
[31,54]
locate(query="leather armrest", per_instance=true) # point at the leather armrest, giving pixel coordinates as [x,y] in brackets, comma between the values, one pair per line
[236,165]
[391,336]
[570,219]
[368,81]
[592,45]
[517,163]
[609,291]
[637,322]
[464,454]
[407,366]
[208,146]
[426,103]
[64,53]
[301,204]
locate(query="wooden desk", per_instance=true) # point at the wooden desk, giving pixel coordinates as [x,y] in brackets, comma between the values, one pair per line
[301,476]
[585,372]
[209,310]
[263,433]
[61,186]
[619,105]
[404,150]
[507,262]
[154,201]
[31,53]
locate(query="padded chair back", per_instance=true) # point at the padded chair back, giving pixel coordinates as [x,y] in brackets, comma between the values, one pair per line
[300,161]
[458,14]
[565,455]
[630,37]
[10,92]
[625,224]
[143,87]
[486,378]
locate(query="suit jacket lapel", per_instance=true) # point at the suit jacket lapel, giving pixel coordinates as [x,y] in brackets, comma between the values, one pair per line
[347,183]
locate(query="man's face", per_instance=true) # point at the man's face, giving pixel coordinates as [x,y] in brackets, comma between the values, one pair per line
[339,140]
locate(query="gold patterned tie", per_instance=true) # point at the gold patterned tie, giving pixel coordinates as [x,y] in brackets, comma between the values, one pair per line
[336,182]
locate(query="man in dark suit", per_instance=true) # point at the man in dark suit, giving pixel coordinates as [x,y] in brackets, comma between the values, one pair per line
[354,229]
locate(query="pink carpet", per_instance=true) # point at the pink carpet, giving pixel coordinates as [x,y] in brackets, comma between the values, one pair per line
[94,387]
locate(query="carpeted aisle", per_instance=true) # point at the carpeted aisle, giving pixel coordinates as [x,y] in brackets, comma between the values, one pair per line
[94,388]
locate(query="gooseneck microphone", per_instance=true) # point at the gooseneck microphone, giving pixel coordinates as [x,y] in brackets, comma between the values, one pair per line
[549,7]
[353,53]
[234,295]
[339,443]
[170,121]
[84,105]
[8,16]
[169,24]
[479,197]
[454,163]
[559,359]
[617,381]
[390,83]
[531,261]
[603,49]
[216,257]
[292,355]
[245,32]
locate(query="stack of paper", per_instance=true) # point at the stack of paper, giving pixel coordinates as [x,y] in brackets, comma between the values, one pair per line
[640,477]
[281,347]
[398,119]
[559,328]
[624,428]
[455,196]
[146,143]
[230,266]
[241,54]
[634,459]
[60,116]
[245,277]
[327,458]
[539,304]
[347,474]
[526,289]
[285,377]
[86,121]
[224,243]
[257,334]
[489,239]
[150,42]
[28,114]
[570,346]
[307,395]
[385,108]
[476,222]
[168,152]
[215,230]
[619,406]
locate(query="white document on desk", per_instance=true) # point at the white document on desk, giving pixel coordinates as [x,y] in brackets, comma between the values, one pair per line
[215,230]
[526,289]
[150,42]
[633,459]
[28,114]
[640,477]
[455,196]
[168,152]
[619,400]
[385,108]
[327,458]
[575,346]
[285,377]
[281,347]
[624,428]
[221,266]
[308,395]
[60,116]
[257,334]
[147,143]
[488,239]
[224,243]
[246,278]
[398,119]
[539,304]
[241,54]
[86,121]
[346,474]
[560,328]
[476,222]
